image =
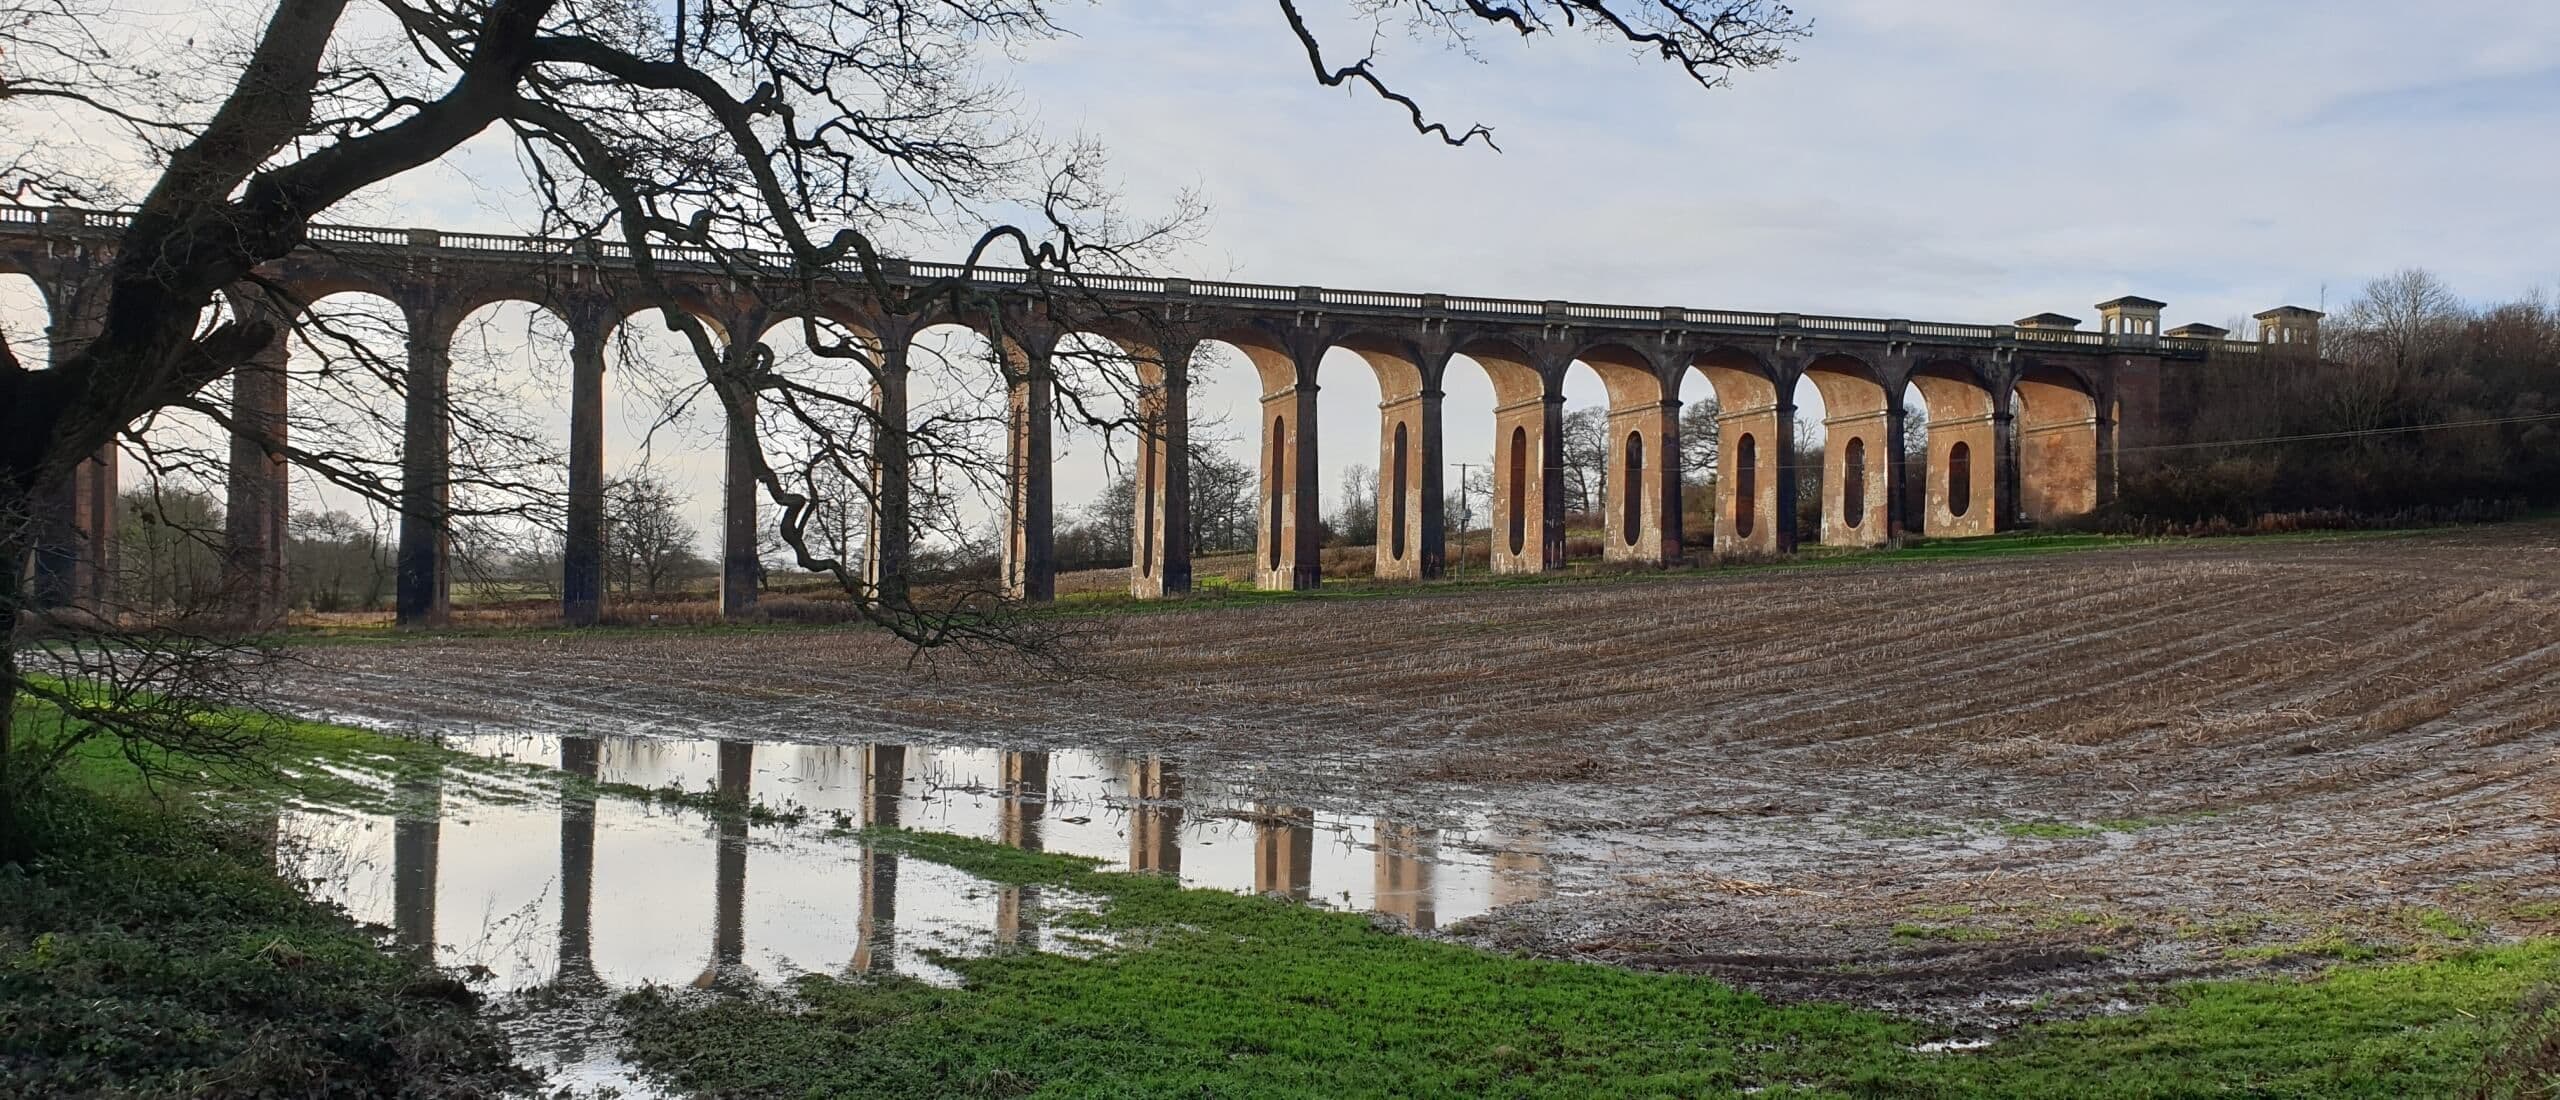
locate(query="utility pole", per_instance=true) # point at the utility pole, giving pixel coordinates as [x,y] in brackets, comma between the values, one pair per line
[1465,494]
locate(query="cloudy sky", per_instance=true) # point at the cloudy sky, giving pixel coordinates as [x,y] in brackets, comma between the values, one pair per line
[1968,160]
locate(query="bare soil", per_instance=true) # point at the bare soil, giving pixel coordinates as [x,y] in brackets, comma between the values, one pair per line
[1975,789]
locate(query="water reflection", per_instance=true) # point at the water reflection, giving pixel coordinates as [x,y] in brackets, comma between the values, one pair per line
[1154,798]
[1404,872]
[414,861]
[1284,851]
[604,894]
[1024,786]
[577,861]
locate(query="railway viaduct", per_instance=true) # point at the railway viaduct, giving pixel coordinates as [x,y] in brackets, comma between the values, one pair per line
[2028,421]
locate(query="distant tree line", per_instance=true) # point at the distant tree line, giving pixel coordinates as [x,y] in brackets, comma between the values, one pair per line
[2414,402]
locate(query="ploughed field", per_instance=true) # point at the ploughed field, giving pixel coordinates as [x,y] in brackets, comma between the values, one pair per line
[1978,787]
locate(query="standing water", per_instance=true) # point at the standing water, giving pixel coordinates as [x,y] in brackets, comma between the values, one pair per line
[575,898]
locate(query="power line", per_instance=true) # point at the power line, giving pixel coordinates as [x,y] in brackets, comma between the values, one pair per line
[2535,418]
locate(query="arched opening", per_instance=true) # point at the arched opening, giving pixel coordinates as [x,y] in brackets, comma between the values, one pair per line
[1519,481]
[1229,491]
[819,457]
[1278,468]
[1468,484]
[1589,452]
[1402,461]
[1103,488]
[1853,482]
[1146,515]
[1631,515]
[1959,478]
[24,319]
[346,360]
[1746,485]
[1351,453]
[666,446]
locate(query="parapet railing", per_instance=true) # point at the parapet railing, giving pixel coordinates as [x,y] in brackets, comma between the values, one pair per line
[48,220]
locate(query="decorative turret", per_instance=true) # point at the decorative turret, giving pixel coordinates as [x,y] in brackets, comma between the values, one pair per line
[2291,326]
[2049,322]
[2132,316]
[2199,331]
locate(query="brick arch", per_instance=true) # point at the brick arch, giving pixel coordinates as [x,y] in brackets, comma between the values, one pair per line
[1510,365]
[570,303]
[1849,385]
[1399,363]
[1632,377]
[31,344]
[1742,380]
[1954,388]
[308,283]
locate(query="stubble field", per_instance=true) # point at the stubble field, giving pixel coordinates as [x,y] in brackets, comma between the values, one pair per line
[1978,788]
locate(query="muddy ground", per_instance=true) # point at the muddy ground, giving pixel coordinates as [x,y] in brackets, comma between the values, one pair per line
[1975,790]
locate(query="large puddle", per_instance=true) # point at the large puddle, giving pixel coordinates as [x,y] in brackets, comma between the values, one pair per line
[564,891]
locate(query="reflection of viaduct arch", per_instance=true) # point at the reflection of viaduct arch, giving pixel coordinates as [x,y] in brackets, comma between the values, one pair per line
[1982,470]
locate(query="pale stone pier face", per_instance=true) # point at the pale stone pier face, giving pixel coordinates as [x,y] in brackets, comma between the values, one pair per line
[2025,420]
[1640,505]
[1528,446]
[1410,462]
[1755,499]
[1964,433]
[1862,435]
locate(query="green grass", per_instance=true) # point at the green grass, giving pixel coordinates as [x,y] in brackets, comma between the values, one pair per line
[1213,994]
[2049,830]
[294,761]
[152,951]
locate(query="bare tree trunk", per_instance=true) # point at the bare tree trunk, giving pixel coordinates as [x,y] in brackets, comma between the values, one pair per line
[14,559]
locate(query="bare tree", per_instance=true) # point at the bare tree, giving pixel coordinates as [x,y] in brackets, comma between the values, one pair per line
[1586,459]
[647,542]
[1701,440]
[1223,489]
[1356,523]
[743,131]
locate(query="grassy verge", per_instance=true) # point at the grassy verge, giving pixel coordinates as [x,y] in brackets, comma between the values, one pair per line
[1213,994]
[150,950]
[295,761]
